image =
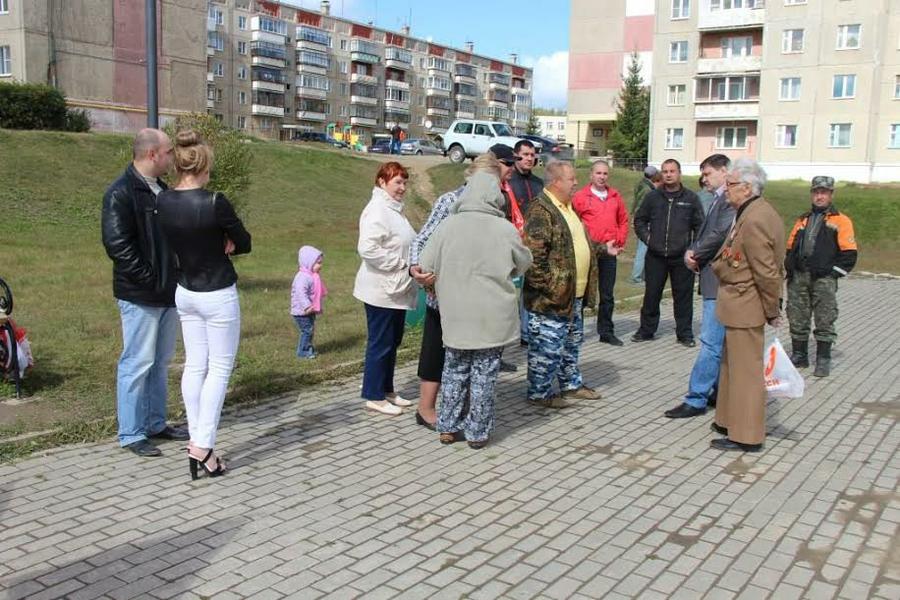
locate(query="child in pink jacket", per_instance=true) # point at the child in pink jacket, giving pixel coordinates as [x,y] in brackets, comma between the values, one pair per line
[307,293]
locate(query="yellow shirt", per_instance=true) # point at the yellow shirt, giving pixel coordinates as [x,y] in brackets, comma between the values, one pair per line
[582,248]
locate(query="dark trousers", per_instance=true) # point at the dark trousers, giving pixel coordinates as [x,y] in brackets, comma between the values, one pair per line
[385,332]
[607,281]
[656,270]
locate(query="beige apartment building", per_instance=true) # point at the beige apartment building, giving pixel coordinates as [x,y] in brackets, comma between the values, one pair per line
[276,71]
[93,50]
[807,87]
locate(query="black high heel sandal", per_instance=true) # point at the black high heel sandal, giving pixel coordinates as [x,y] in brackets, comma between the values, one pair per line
[421,421]
[194,464]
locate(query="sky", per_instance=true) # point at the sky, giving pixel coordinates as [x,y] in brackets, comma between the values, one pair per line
[529,28]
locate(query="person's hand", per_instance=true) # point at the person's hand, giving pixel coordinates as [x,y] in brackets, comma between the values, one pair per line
[229,246]
[774,322]
[689,261]
[612,249]
[423,279]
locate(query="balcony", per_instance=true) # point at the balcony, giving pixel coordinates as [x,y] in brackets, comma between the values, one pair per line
[364,100]
[519,90]
[267,61]
[309,115]
[363,121]
[396,105]
[464,114]
[210,51]
[210,77]
[266,29]
[734,18]
[311,92]
[397,58]
[439,112]
[365,52]
[727,111]
[729,65]
[267,111]
[312,39]
[210,103]
[391,119]
[268,86]
[465,73]
[498,85]
[267,36]
[363,78]
[396,84]
[365,57]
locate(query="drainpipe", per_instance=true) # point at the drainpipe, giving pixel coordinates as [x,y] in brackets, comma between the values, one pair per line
[152,92]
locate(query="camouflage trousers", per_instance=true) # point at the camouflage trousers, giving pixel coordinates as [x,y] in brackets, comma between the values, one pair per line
[472,375]
[810,298]
[554,344]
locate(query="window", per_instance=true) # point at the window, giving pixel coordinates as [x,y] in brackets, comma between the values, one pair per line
[215,15]
[215,41]
[463,128]
[344,89]
[786,136]
[242,73]
[731,137]
[894,141]
[730,4]
[791,41]
[681,9]
[342,111]
[678,52]
[219,69]
[344,47]
[789,88]
[844,86]
[4,6]
[242,23]
[677,94]
[897,87]
[839,135]
[561,125]
[5,62]
[218,94]
[242,122]
[242,97]
[793,2]
[674,138]
[242,47]
[272,26]
[848,37]
[343,67]
[549,125]
[737,46]
[483,130]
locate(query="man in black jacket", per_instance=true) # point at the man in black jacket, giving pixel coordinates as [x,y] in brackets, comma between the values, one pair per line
[144,286]
[668,221]
[704,378]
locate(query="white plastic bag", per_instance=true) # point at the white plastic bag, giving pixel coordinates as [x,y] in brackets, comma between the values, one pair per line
[783,380]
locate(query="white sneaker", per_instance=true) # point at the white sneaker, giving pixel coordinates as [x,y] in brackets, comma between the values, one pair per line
[383,406]
[398,400]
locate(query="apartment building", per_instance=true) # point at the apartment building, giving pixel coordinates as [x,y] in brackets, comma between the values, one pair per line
[95,53]
[806,87]
[552,126]
[602,38]
[276,71]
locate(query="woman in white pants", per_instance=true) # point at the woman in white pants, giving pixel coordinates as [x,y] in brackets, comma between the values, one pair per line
[203,230]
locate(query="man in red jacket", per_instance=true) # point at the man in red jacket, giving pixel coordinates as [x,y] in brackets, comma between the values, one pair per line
[602,211]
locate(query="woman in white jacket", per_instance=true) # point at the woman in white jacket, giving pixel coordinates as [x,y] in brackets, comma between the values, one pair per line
[384,285]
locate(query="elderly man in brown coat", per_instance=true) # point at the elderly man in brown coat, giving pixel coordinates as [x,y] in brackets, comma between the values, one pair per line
[750,270]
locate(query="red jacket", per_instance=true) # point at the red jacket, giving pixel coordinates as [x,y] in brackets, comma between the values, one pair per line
[605,221]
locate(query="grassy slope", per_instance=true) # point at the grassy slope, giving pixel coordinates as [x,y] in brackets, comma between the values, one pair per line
[50,191]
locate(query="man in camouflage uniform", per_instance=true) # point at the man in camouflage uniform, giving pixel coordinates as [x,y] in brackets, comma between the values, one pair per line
[820,249]
[560,283]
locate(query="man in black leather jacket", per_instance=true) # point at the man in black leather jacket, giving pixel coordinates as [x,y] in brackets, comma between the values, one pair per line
[668,221]
[144,286]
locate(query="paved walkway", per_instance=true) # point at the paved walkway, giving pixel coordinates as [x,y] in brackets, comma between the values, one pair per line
[603,500]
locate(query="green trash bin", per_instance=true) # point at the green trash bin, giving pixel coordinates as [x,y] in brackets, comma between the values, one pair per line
[415,318]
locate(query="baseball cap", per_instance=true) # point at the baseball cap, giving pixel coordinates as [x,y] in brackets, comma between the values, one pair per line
[504,154]
[650,171]
[822,181]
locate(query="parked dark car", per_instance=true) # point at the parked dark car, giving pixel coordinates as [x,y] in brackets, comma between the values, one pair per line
[318,136]
[551,149]
[381,146]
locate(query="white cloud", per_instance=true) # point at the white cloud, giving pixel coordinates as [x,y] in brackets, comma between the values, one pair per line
[551,79]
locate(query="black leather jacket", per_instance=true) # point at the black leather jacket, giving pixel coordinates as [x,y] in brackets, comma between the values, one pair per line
[143,264]
[196,223]
[668,222]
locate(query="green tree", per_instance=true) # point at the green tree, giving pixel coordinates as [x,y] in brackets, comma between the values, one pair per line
[232,154]
[630,135]
[533,127]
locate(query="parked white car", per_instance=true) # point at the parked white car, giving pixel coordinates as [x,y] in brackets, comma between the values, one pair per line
[467,138]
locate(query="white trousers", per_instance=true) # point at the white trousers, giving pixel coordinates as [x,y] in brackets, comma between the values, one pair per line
[211,326]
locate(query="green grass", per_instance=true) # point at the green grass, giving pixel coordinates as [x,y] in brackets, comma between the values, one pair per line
[51,186]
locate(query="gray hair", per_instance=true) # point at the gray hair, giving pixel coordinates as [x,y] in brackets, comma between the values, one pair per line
[553,172]
[749,171]
[484,163]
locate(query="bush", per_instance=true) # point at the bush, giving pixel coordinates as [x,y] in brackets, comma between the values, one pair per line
[78,120]
[232,154]
[31,106]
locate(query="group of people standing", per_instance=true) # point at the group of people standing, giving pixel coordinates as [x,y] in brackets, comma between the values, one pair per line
[504,228]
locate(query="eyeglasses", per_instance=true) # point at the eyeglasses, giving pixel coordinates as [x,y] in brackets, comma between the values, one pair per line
[734,183]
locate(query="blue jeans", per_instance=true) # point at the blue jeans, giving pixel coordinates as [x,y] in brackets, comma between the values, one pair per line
[306,324]
[395,146]
[705,374]
[148,343]
[637,271]
[385,332]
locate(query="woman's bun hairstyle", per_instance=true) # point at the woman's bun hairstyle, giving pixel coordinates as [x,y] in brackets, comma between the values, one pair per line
[192,155]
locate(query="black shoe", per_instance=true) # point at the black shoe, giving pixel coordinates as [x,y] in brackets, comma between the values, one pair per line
[638,337]
[718,428]
[684,411]
[196,465]
[726,444]
[421,421]
[611,340]
[143,448]
[800,353]
[508,367]
[823,359]
[477,445]
[687,342]
[171,433]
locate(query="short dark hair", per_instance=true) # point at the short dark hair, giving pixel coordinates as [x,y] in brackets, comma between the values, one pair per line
[521,143]
[716,161]
[673,162]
